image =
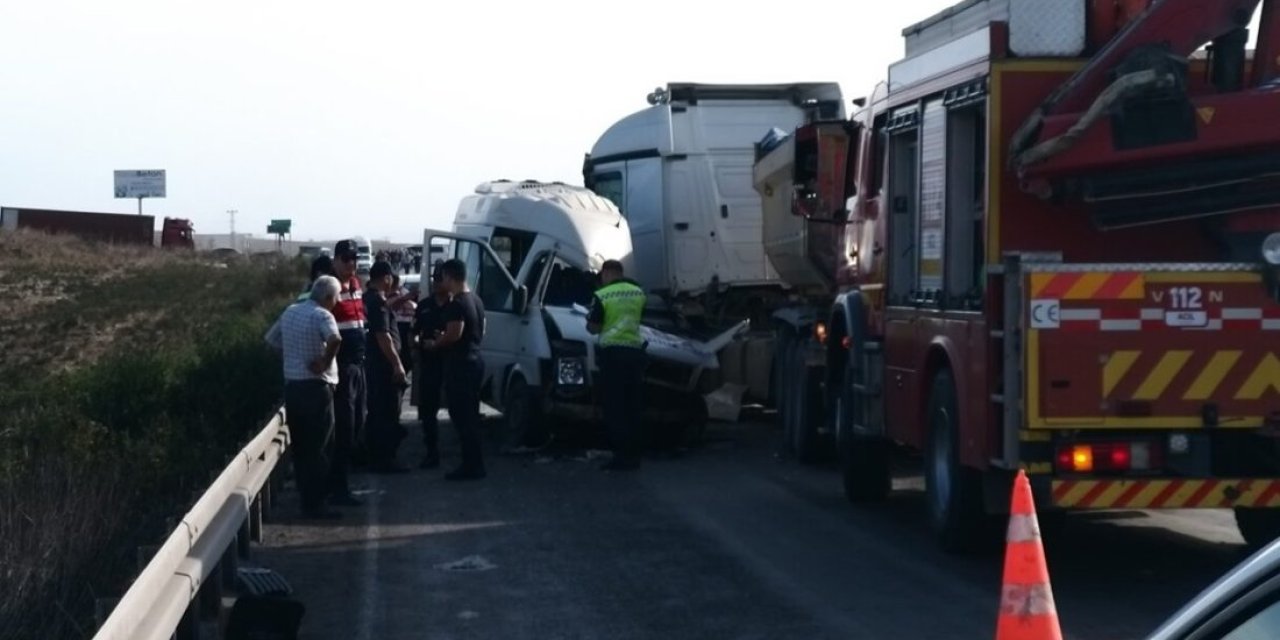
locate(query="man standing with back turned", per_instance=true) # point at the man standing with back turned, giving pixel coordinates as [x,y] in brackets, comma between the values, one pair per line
[463,318]
[308,337]
[615,318]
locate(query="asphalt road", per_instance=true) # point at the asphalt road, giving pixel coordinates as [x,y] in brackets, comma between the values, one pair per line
[728,541]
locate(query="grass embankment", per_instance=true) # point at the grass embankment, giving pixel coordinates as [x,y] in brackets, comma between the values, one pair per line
[127,377]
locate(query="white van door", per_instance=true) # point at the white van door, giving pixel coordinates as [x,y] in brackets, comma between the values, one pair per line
[506,306]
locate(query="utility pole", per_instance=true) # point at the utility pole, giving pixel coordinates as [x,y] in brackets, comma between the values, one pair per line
[232,214]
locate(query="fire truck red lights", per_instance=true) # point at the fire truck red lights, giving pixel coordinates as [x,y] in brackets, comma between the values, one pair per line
[1108,457]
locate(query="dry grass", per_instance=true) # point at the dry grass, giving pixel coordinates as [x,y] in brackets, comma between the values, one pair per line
[129,374]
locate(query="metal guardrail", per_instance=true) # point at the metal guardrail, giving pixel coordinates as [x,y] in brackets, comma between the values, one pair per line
[206,543]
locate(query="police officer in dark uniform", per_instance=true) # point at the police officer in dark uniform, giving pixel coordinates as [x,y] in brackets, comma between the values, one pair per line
[615,317]
[384,371]
[428,374]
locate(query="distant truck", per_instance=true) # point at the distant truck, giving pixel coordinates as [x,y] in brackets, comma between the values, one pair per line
[115,228]
[364,255]
[310,251]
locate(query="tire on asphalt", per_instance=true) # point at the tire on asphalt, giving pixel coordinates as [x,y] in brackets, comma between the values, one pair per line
[864,462]
[695,430]
[953,493]
[522,421]
[1258,527]
[781,395]
[807,395]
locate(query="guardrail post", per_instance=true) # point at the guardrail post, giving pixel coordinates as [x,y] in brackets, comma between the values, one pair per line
[245,538]
[230,563]
[255,519]
[267,496]
[189,626]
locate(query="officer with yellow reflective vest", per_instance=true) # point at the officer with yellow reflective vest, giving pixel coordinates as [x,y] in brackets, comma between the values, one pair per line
[615,318]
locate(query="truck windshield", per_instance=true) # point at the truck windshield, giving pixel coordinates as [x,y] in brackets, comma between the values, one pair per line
[609,185]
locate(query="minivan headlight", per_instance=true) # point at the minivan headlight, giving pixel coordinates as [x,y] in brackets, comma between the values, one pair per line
[571,371]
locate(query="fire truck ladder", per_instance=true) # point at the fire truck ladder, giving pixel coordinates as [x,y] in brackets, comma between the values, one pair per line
[1010,336]
[1146,64]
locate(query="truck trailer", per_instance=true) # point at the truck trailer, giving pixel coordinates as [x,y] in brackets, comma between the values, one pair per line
[1050,241]
[680,170]
[116,228]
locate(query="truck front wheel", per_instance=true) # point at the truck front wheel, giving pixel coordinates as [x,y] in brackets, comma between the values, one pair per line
[781,396]
[1258,527]
[864,463]
[953,492]
[806,396]
[523,423]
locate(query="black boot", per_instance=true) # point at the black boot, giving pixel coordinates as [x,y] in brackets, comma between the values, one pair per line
[430,461]
[465,473]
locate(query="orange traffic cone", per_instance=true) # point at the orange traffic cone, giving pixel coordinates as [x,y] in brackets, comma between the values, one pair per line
[1026,601]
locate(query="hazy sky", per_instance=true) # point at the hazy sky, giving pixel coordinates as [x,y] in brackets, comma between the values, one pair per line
[373,117]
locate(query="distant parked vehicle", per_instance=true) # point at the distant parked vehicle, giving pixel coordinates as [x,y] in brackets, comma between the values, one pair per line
[115,228]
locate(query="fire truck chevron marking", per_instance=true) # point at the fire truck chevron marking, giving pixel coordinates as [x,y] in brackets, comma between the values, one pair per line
[1264,378]
[1166,494]
[1123,285]
[1212,374]
[1170,365]
[1113,372]
[1257,374]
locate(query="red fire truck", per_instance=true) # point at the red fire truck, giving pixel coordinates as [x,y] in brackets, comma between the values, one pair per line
[1050,241]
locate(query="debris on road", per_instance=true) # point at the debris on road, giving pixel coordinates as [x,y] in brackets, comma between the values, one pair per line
[468,564]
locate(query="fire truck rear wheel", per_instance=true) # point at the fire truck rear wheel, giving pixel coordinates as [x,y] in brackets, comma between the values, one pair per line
[953,492]
[1258,527]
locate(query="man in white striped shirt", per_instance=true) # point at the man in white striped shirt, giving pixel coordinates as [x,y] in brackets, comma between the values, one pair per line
[307,335]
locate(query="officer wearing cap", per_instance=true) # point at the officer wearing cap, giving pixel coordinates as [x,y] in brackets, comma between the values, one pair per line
[384,371]
[349,395]
[615,317]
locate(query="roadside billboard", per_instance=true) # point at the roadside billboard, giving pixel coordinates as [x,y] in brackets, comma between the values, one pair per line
[140,183]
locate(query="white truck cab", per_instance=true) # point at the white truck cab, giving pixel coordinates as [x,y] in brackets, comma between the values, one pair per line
[533,251]
[681,172]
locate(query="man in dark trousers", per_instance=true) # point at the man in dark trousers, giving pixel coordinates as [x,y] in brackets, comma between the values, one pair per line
[615,317]
[349,396]
[384,372]
[307,336]
[428,375]
[463,366]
